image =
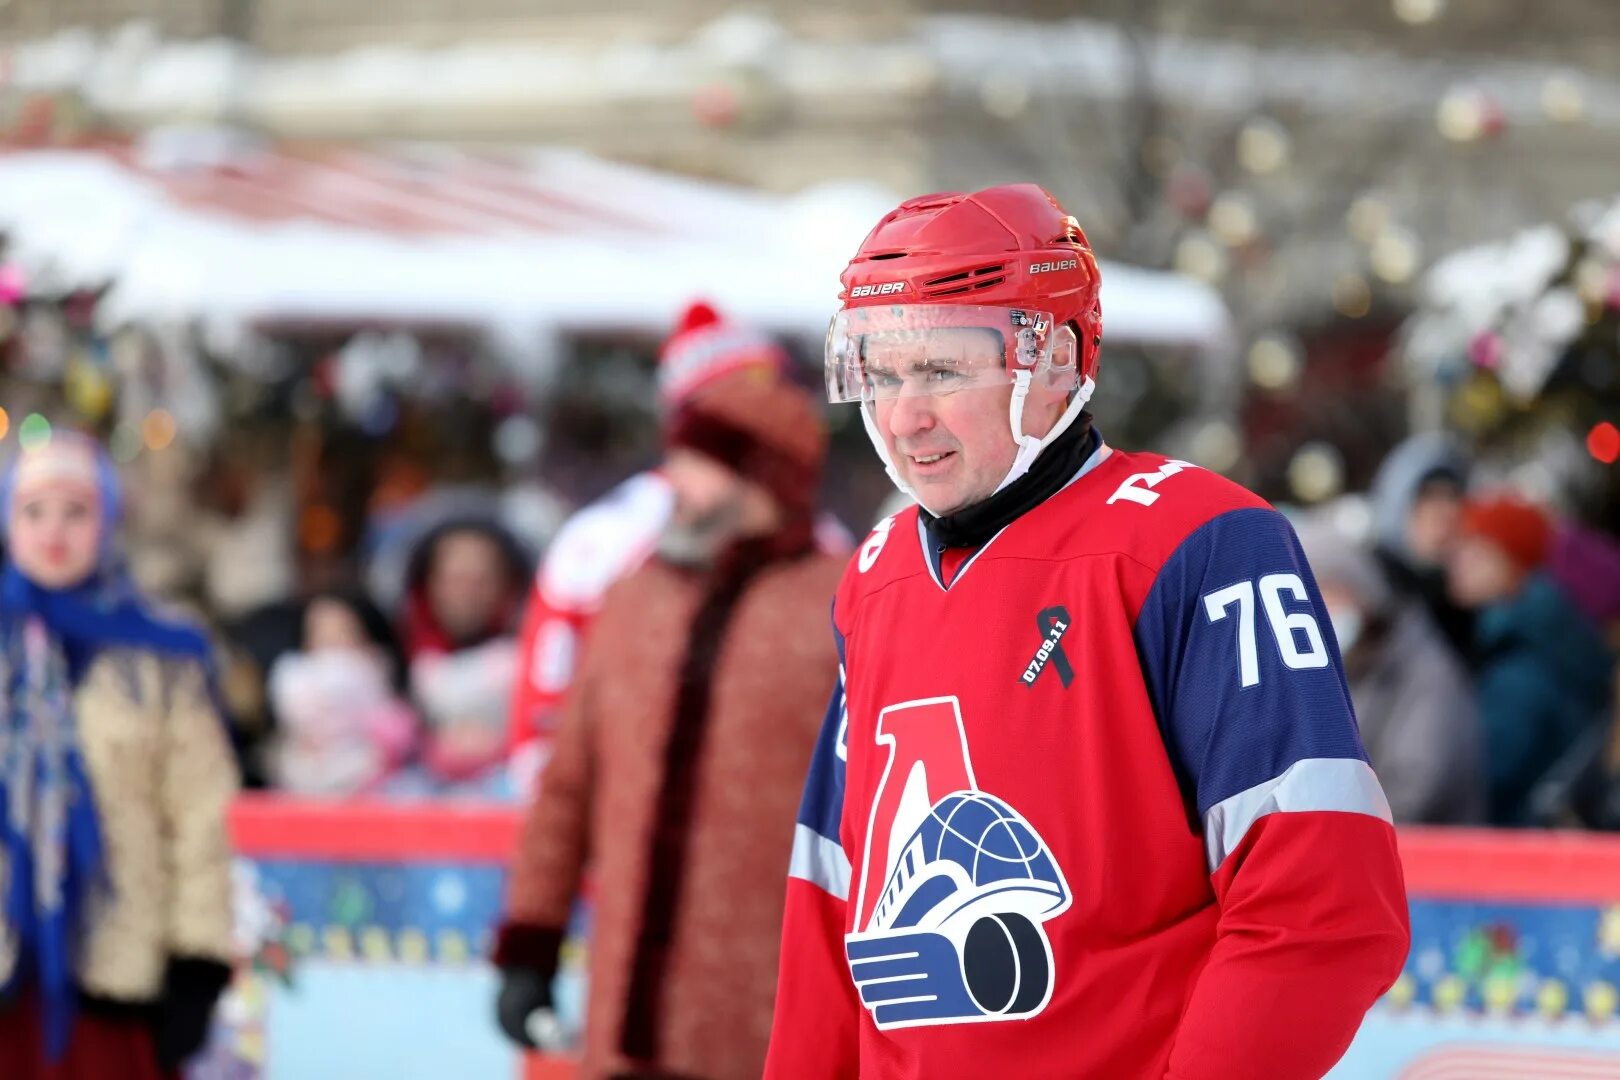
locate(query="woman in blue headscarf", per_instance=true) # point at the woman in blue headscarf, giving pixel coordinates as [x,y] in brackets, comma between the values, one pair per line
[115,777]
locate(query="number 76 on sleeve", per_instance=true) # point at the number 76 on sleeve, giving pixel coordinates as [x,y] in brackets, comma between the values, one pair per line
[1297,636]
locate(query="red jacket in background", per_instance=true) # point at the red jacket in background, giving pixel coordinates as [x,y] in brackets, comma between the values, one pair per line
[605,541]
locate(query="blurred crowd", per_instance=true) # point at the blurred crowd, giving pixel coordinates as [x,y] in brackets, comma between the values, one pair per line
[1478,628]
[1478,633]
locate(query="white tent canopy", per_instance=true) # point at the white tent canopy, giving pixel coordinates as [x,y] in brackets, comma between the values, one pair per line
[547,241]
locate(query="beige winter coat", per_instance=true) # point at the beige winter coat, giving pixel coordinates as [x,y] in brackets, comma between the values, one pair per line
[163,777]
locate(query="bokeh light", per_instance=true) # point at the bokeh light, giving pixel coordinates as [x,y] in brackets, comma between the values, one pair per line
[1275,362]
[34,432]
[158,429]
[1352,297]
[1419,12]
[1316,472]
[1263,146]
[1603,442]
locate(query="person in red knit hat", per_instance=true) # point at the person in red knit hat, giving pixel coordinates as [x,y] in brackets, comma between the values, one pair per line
[611,537]
[1505,538]
[676,761]
[1544,674]
[703,346]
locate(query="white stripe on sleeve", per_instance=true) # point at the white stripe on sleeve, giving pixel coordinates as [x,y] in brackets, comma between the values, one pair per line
[1347,785]
[819,861]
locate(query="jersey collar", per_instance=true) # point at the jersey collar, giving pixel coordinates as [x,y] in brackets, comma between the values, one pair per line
[933,549]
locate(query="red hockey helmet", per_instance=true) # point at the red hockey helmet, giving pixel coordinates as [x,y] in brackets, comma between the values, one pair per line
[940,271]
[951,259]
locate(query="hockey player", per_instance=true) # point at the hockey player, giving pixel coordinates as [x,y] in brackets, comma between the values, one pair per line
[1089,800]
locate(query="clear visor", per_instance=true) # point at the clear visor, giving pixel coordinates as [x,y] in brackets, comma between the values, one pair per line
[896,350]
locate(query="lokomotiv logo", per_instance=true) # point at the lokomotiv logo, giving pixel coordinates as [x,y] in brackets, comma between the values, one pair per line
[884,289]
[955,885]
[1063,264]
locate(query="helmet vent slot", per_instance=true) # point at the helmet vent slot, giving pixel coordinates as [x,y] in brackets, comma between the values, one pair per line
[964,275]
[888,255]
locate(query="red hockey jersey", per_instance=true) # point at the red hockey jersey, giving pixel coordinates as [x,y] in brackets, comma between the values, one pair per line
[1096,806]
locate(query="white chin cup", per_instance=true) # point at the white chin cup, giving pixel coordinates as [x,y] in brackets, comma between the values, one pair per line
[1029,446]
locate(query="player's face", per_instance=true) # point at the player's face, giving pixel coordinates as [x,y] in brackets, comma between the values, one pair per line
[952,447]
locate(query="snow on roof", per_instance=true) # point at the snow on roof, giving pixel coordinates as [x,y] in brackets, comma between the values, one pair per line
[189,225]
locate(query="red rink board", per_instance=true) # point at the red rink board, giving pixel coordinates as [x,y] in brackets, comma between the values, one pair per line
[1441,864]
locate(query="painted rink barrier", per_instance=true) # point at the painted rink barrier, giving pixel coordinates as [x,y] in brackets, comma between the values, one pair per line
[363,929]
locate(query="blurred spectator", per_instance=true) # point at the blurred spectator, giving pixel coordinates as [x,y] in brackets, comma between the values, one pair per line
[1417,504]
[247,556]
[343,727]
[464,588]
[1587,564]
[1412,697]
[116,925]
[676,764]
[250,648]
[612,536]
[1544,673]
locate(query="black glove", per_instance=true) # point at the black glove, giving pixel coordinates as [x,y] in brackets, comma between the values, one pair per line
[527,957]
[523,993]
[185,1013]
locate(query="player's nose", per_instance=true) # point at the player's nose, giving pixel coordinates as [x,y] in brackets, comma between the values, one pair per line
[911,414]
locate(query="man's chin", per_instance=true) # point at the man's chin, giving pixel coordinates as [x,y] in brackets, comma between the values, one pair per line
[940,500]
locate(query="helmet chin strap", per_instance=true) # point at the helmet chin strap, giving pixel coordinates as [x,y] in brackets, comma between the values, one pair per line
[1029,446]
[869,419]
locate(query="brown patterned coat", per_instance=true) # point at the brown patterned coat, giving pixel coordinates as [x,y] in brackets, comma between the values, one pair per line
[682,968]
